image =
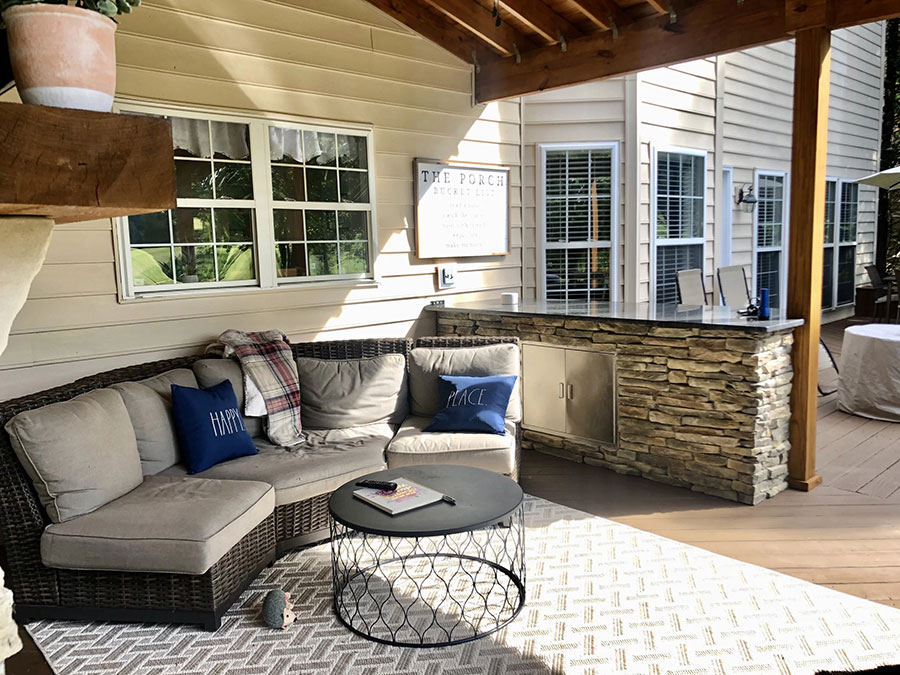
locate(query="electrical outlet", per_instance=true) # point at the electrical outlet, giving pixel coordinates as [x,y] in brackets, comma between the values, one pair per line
[446,276]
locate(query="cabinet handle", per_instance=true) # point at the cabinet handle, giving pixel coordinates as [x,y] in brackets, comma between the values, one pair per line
[571,392]
[562,390]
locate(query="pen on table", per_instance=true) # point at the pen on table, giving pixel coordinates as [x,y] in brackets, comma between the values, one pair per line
[448,499]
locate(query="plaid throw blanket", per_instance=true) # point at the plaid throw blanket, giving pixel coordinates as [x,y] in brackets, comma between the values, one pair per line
[267,361]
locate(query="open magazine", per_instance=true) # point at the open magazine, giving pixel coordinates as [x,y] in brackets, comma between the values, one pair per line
[406,497]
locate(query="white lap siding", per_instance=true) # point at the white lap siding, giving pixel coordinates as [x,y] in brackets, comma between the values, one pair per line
[340,61]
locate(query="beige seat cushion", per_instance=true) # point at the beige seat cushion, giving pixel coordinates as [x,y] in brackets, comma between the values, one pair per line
[338,393]
[167,524]
[80,454]
[413,446]
[427,363]
[210,372]
[149,405]
[327,460]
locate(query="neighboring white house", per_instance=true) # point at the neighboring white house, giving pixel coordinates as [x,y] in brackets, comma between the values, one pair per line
[674,147]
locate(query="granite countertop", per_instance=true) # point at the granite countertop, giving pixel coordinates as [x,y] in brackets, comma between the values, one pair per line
[687,316]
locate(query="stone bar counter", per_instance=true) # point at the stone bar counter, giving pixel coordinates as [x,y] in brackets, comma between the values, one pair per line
[700,396]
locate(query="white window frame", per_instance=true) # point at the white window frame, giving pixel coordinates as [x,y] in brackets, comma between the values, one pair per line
[785,235]
[836,244]
[726,232]
[833,246]
[263,205]
[612,244]
[654,186]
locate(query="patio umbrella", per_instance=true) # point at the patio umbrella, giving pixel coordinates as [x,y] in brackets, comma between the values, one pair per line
[887,179]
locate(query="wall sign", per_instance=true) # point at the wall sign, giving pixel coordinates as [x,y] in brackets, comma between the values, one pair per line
[461,210]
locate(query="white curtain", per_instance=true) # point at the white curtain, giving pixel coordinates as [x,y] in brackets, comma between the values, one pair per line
[229,139]
[285,143]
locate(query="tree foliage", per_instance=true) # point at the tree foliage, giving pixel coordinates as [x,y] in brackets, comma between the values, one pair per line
[888,248]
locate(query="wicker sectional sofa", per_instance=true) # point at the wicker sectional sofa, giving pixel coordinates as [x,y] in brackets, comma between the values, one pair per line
[51,579]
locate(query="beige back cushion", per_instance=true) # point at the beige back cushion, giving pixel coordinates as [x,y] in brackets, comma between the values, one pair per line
[211,372]
[337,394]
[80,454]
[427,363]
[149,405]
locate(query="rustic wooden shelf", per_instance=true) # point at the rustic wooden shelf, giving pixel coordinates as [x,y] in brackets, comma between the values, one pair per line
[75,165]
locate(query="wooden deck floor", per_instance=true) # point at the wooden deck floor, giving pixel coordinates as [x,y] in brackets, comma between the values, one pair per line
[845,534]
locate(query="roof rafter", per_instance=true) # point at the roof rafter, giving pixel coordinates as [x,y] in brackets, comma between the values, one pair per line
[503,39]
[541,19]
[704,28]
[604,13]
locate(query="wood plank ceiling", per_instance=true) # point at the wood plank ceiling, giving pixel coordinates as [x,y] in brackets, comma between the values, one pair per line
[523,46]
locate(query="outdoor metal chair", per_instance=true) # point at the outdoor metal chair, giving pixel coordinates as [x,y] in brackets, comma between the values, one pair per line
[733,286]
[884,295]
[691,290]
[826,361]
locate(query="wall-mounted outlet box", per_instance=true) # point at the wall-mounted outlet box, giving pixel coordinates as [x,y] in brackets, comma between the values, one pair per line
[446,276]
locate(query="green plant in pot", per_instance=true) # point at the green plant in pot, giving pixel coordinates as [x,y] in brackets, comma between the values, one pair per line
[63,54]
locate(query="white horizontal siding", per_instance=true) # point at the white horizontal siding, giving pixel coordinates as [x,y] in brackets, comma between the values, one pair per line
[586,113]
[336,61]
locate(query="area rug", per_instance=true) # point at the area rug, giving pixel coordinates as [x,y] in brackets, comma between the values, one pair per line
[602,598]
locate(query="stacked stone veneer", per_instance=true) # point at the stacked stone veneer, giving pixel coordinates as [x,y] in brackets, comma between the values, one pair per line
[705,409]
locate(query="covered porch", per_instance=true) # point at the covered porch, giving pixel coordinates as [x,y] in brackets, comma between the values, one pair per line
[837,528]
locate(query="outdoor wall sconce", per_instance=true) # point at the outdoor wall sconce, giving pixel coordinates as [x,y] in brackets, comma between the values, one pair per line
[746,200]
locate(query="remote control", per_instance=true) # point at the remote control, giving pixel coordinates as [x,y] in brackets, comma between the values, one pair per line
[377,485]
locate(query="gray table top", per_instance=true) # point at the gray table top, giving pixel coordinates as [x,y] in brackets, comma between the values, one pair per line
[680,316]
[483,498]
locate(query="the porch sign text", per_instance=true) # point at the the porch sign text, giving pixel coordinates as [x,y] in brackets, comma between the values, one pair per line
[461,210]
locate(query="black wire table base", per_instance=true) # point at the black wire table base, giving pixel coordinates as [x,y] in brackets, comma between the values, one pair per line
[429,591]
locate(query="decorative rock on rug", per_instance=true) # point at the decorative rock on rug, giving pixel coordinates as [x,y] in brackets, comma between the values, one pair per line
[602,598]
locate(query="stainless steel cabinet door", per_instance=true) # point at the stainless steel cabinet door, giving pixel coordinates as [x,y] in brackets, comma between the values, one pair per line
[590,388]
[544,387]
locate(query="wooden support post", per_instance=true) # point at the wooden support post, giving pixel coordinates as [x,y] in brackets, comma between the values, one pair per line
[812,72]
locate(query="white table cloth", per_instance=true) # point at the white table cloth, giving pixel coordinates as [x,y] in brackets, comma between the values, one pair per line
[869,383]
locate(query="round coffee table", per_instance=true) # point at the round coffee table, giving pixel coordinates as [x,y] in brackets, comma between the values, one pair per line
[435,576]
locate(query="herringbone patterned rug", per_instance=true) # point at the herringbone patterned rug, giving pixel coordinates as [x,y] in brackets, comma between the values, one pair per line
[602,598]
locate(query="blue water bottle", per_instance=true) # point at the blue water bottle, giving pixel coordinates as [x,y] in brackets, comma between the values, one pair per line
[764,313]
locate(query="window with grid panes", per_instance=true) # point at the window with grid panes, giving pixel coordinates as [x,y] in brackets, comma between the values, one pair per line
[578,222]
[829,252]
[209,237]
[770,220]
[680,184]
[310,186]
[839,260]
[846,244]
[320,194]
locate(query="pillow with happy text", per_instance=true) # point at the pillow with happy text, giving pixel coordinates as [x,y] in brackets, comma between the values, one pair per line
[209,425]
[473,404]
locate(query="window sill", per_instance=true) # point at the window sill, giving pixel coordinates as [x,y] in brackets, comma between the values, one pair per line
[248,290]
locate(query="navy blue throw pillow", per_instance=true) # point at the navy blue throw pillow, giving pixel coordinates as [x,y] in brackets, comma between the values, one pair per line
[209,425]
[473,404]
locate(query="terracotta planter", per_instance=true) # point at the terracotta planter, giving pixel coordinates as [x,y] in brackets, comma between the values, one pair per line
[62,56]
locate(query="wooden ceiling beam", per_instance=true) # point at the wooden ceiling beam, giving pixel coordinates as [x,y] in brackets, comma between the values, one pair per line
[704,28]
[603,13]
[543,20]
[435,27]
[503,39]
